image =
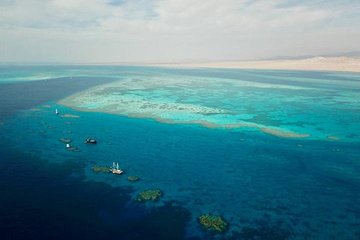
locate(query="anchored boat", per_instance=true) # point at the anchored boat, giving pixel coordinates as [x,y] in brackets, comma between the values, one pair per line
[115,169]
[90,141]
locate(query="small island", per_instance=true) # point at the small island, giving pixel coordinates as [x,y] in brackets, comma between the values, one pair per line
[149,195]
[213,223]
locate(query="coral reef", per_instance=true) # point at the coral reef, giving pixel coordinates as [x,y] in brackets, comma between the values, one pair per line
[65,140]
[69,116]
[149,195]
[100,169]
[133,178]
[73,149]
[213,223]
[333,138]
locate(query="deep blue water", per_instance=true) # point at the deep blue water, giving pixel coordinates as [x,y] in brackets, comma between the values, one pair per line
[17,96]
[265,187]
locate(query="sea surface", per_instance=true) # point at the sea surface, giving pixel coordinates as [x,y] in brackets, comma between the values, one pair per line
[275,153]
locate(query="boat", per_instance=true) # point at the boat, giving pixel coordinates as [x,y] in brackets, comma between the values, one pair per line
[67,145]
[56,112]
[115,169]
[90,141]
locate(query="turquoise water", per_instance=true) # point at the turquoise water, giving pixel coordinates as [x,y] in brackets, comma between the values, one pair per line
[308,107]
[266,185]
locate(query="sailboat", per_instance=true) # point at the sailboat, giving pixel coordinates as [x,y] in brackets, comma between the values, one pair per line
[56,112]
[115,169]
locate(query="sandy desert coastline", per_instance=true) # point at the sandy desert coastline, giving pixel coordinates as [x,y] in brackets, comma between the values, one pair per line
[346,64]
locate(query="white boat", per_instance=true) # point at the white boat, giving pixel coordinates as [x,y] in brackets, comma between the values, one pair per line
[115,169]
[67,145]
[56,112]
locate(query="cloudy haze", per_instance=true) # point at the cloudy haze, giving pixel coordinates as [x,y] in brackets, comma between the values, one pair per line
[174,30]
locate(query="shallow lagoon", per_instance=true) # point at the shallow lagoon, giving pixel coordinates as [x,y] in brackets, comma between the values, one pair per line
[263,185]
[289,107]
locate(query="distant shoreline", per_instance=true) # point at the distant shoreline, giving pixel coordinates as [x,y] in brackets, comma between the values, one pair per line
[337,64]
[331,64]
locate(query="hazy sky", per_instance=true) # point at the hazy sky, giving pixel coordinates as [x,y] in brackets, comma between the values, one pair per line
[174,30]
